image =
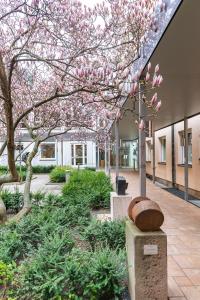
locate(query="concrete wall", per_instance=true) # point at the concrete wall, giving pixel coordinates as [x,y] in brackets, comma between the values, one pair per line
[163,171]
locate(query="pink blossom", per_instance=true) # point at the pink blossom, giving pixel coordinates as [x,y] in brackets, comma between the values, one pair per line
[158,106]
[149,66]
[157,67]
[147,76]
[154,99]
[141,125]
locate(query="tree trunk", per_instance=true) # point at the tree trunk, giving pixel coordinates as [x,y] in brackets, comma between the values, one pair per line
[29,173]
[8,107]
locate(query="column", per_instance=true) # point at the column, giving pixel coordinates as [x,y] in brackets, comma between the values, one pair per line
[106,157]
[186,157]
[116,148]
[142,146]
[154,158]
[109,148]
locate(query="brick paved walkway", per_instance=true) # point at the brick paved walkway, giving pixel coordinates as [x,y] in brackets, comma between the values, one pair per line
[182,225]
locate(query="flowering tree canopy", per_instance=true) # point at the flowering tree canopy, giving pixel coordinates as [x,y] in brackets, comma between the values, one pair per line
[54,50]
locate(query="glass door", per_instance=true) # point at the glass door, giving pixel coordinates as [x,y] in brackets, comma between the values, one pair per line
[79,154]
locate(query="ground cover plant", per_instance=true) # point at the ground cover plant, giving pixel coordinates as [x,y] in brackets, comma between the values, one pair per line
[58,251]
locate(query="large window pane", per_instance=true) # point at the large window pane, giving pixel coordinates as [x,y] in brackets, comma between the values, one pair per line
[48,151]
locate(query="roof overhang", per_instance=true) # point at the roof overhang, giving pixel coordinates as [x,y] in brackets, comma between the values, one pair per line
[178,53]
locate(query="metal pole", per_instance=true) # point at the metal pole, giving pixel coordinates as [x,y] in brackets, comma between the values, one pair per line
[154,158]
[173,157]
[116,148]
[109,157]
[61,151]
[20,161]
[186,157]
[142,146]
[105,156]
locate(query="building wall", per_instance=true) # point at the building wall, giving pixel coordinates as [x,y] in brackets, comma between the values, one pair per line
[60,159]
[163,171]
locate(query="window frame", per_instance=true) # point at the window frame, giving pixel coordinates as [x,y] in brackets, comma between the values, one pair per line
[163,154]
[74,156]
[181,147]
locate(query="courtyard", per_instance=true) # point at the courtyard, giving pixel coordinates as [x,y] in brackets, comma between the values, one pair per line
[182,225]
[90,90]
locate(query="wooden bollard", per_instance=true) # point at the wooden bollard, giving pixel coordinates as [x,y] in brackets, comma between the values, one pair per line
[146,214]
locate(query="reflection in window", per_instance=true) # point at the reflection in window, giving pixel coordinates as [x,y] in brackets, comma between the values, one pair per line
[48,151]
[163,148]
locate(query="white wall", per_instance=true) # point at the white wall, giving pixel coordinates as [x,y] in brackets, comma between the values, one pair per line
[67,159]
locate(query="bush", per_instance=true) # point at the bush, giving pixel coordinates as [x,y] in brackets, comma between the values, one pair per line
[107,233]
[43,169]
[95,186]
[13,200]
[58,174]
[36,169]
[90,168]
[76,275]
[6,277]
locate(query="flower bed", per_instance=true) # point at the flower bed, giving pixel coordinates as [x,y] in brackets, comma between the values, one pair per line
[59,252]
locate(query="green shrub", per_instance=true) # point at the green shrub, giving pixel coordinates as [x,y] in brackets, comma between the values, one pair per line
[76,275]
[95,186]
[58,174]
[36,169]
[43,169]
[90,168]
[37,197]
[107,233]
[6,278]
[12,200]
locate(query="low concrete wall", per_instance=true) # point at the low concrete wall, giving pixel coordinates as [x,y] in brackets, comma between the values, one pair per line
[119,205]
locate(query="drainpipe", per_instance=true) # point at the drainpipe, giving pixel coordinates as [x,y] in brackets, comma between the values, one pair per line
[186,157]
[116,148]
[142,146]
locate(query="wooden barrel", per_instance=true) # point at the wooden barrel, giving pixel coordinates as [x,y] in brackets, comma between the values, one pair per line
[147,215]
[132,204]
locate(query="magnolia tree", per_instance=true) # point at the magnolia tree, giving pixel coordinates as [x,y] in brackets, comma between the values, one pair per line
[57,118]
[51,50]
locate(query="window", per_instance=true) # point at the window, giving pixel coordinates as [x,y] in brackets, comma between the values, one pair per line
[163,149]
[79,154]
[148,151]
[48,151]
[182,148]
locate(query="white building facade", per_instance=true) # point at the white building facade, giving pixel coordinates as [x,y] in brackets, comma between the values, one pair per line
[62,151]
